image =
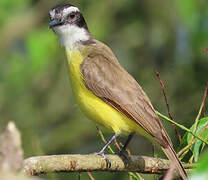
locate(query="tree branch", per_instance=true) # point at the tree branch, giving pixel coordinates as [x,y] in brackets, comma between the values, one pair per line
[81,163]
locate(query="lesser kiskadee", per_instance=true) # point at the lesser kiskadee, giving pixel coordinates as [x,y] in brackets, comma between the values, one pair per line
[106,92]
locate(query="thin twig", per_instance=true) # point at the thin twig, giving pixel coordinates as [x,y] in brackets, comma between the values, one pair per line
[117,145]
[167,104]
[134,176]
[104,140]
[203,109]
[90,175]
[205,49]
[185,149]
[79,175]
[200,110]
[182,127]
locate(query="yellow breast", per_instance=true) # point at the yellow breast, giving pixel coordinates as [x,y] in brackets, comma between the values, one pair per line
[92,106]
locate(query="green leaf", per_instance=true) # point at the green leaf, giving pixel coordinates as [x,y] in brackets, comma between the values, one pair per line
[197,147]
[201,172]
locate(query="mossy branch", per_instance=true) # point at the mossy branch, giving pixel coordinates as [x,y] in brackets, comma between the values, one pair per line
[81,163]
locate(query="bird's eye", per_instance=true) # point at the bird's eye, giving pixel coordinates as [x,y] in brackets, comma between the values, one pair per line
[72,16]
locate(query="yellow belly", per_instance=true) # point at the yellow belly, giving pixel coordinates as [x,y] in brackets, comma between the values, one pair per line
[92,106]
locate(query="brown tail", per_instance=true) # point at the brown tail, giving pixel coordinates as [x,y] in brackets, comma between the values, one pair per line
[170,153]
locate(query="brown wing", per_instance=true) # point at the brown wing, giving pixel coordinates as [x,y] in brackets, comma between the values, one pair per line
[103,76]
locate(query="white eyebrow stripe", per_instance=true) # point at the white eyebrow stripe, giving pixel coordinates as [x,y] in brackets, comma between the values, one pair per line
[52,13]
[69,10]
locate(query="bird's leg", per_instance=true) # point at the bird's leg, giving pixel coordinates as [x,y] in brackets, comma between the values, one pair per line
[102,151]
[122,153]
[126,143]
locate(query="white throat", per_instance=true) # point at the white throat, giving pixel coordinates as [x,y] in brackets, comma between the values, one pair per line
[70,35]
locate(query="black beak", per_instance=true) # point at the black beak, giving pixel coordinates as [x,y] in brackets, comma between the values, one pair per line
[54,23]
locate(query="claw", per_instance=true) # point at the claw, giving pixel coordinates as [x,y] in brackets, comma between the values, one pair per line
[101,153]
[124,155]
[108,161]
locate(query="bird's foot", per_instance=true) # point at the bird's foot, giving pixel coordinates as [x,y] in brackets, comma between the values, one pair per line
[124,155]
[108,161]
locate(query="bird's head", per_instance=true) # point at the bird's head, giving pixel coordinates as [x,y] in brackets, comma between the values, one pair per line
[68,23]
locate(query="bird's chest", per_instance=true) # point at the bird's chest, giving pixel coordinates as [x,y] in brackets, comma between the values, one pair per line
[86,100]
[75,59]
[92,106]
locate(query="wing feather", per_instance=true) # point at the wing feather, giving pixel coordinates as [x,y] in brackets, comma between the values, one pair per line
[103,76]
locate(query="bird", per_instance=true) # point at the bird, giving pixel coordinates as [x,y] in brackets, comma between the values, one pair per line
[105,92]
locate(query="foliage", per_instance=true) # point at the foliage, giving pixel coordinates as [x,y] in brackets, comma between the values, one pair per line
[201,172]
[197,146]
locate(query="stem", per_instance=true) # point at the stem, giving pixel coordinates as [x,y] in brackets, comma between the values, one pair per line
[182,127]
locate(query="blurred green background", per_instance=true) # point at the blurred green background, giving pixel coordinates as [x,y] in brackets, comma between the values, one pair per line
[168,36]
